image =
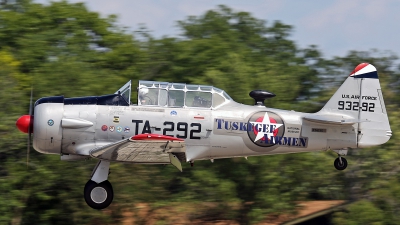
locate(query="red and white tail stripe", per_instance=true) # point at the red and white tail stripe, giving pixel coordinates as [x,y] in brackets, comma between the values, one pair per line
[364,70]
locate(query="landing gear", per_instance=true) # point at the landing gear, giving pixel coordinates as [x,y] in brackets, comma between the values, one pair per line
[98,192]
[98,196]
[340,163]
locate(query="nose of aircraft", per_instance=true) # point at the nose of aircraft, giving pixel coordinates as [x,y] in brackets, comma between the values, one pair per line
[24,122]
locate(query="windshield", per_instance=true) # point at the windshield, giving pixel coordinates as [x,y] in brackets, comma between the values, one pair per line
[125,91]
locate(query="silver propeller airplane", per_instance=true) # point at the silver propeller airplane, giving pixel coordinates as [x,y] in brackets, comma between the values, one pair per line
[175,122]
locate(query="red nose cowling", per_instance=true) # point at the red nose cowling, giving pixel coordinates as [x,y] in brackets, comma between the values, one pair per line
[24,122]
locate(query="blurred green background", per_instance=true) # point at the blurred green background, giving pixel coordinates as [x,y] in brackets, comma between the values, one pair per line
[65,49]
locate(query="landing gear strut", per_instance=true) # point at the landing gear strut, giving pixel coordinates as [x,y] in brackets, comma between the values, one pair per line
[98,192]
[340,163]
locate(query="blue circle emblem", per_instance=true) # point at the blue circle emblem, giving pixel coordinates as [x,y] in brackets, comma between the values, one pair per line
[173,113]
[50,122]
[119,129]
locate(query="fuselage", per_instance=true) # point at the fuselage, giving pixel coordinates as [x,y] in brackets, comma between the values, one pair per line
[232,130]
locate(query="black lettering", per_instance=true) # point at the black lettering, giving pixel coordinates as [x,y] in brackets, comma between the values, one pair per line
[321,130]
[341,105]
[137,125]
[356,106]
[195,131]
[348,105]
[146,128]
[364,106]
[181,126]
[371,107]
[166,129]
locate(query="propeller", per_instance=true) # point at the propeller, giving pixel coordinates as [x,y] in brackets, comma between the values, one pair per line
[25,125]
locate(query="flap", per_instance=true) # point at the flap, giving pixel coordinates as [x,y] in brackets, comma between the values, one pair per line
[175,161]
[156,149]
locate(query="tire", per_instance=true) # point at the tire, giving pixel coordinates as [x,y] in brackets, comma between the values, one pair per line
[98,196]
[340,166]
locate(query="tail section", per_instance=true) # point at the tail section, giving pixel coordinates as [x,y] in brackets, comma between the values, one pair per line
[360,98]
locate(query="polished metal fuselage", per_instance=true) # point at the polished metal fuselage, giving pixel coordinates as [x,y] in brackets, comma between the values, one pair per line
[228,131]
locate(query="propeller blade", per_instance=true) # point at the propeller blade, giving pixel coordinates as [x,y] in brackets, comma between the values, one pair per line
[28,149]
[29,129]
[30,102]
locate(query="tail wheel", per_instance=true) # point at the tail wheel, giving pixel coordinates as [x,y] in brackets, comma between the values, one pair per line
[340,165]
[98,196]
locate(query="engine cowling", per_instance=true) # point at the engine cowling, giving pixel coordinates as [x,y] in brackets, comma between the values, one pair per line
[47,124]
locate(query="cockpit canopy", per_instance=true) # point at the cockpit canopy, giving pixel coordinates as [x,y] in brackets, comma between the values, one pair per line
[154,93]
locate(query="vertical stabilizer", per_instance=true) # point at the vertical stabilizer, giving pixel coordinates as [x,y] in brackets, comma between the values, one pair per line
[360,97]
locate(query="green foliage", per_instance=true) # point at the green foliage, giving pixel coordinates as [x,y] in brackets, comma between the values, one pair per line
[360,213]
[64,49]
[225,48]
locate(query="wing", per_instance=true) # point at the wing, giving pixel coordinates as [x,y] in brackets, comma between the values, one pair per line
[142,148]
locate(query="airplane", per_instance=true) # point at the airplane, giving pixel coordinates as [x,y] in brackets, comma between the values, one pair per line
[175,122]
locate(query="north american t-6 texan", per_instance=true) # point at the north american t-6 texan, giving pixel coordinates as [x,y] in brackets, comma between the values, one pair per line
[174,122]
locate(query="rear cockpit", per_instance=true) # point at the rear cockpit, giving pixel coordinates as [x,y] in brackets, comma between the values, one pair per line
[154,93]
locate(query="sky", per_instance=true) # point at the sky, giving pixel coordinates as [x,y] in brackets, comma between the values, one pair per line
[335,26]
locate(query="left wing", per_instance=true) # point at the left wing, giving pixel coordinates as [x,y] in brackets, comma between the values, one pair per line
[142,148]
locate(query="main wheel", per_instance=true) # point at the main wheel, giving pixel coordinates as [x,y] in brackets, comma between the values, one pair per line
[340,166]
[98,196]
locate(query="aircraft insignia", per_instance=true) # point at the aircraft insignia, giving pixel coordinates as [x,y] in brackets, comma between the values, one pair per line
[119,129]
[50,122]
[112,128]
[264,128]
[127,129]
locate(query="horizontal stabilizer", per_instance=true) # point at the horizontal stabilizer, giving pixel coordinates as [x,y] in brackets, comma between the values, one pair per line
[332,119]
